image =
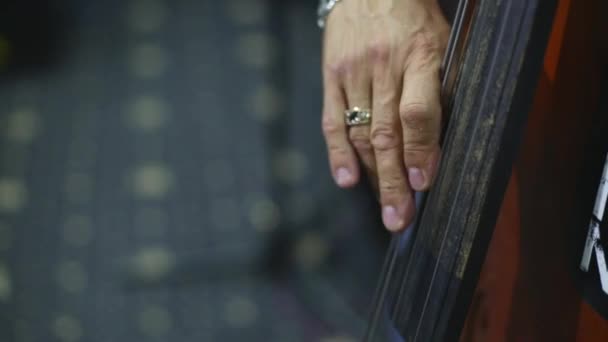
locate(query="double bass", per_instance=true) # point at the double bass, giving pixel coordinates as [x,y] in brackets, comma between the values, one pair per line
[495,252]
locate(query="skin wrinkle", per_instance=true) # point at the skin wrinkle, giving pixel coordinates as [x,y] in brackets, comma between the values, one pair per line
[386,55]
[427,54]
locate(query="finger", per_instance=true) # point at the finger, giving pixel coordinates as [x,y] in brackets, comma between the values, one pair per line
[342,158]
[395,193]
[420,112]
[358,90]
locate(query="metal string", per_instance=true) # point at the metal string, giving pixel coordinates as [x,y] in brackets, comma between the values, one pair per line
[388,269]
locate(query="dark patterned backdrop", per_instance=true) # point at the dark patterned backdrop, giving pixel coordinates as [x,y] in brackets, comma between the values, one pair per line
[163,177]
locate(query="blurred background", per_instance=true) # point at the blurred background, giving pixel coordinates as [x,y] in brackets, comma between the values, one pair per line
[163,177]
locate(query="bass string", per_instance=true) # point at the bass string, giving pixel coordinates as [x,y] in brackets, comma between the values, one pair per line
[460,37]
[450,67]
[390,265]
[500,28]
[382,289]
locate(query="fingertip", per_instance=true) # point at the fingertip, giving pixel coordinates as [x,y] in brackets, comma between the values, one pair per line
[345,177]
[418,178]
[397,218]
[422,169]
[392,218]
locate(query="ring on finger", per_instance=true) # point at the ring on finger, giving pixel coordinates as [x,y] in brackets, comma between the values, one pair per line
[357,116]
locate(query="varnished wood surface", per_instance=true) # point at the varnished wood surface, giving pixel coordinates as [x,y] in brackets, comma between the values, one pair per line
[526,291]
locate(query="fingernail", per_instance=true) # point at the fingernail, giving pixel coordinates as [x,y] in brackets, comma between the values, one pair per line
[416,178]
[392,219]
[343,176]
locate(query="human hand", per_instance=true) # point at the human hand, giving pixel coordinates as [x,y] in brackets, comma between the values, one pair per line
[385,55]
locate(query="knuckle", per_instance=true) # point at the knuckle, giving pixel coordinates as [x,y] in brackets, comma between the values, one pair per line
[379,52]
[337,152]
[414,150]
[333,70]
[417,147]
[390,185]
[419,144]
[421,127]
[361,142]
[330,126]
[341,66]
[426,49]
[425,42]
[384,137]
[415,115]
[414,153]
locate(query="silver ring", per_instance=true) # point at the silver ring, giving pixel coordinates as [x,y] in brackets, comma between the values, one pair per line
[357,116]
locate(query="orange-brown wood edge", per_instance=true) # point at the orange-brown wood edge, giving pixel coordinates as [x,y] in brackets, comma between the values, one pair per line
[526,291]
